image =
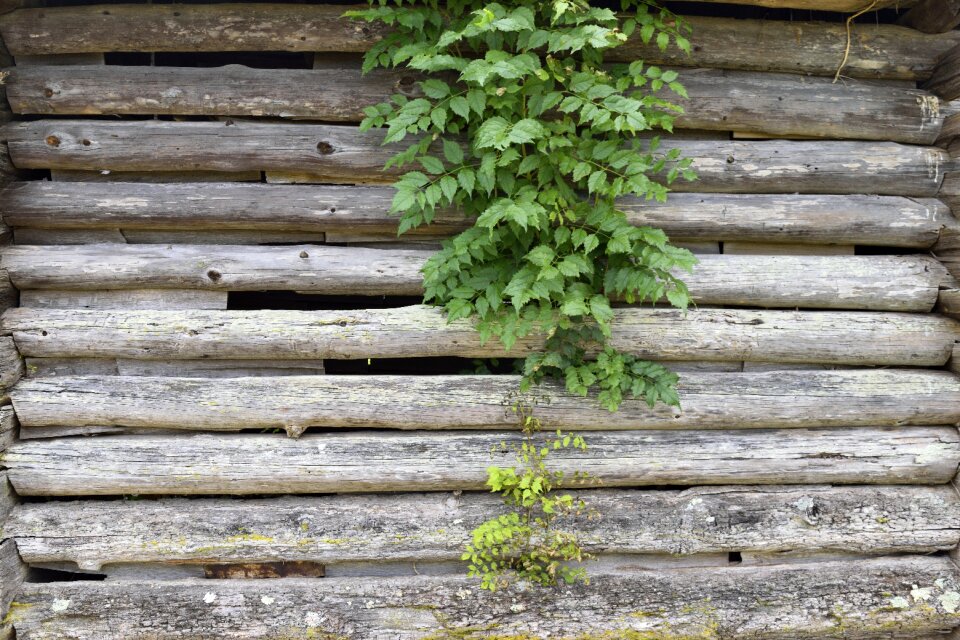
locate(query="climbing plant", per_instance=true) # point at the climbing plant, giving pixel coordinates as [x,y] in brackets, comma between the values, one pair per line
[523,128]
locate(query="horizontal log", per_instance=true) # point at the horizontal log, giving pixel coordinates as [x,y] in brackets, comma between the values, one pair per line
[204,368]
[165,236]
[868,598]
[149,177]
[124,299]
[882,283]
[778,104]
[716,335]
[870,397]
[11,364]
[432,527]
[945,81]
[933,16]
[220,208]
[344,154]
[876,51]
[361,462]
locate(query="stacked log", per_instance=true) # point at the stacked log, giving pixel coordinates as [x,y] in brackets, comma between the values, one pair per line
[198,286]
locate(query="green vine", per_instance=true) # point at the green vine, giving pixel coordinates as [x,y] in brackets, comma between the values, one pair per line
[524,129]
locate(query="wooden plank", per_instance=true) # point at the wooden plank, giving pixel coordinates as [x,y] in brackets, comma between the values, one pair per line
[945,81]
[207,368]
[362,211]
[149,177]
[164,236]
[778,104]
[932,16]
[868,597]
[877,51]
[865,397]
[432,527]
[68,236]
[363,462]
[882,283]
[344,154]
[715,335]
[124,299]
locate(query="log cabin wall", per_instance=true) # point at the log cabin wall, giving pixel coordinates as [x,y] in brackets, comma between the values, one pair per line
[205,266]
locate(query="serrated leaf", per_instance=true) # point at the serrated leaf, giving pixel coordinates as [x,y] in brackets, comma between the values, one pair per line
[431,164]
[452,151]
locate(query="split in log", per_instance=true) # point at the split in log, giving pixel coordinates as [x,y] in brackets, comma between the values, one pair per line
[876,51]
[933,16]
[880,283]
[915,596]
[127,299]
[864,397]
[715,335]
[363,211]
[344,154]
[778,104]
[433,527]
[365,462]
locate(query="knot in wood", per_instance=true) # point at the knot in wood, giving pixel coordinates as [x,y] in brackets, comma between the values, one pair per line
[325,148]
[304,255]
[731,159]
[53,141]
[214,275]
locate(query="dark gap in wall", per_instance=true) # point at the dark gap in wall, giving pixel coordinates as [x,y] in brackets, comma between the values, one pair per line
[253,59]
[434,366]
[734,557]
[864,250]
[127,58]
[252,300]
[37,574]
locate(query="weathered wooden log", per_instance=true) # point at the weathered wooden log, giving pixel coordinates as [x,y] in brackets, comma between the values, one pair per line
[362,462]
[124,299]
[433,527]
[362,211]
[346,155]
[12,574]
[11,364]
[877,51]
[932,16]
[945,81]
[164,236]
[864,397]
[8,435]
[715,335]
[203,368]
[867,599]
[882,283]
[778,104]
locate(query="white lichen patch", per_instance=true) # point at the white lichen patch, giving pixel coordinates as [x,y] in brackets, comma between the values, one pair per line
[899,602]
[950,601]
[921,595]
[209,597]
[314,619]
[59,606]
[267,599]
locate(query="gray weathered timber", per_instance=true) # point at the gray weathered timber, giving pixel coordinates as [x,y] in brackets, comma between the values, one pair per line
[343,154]
[201,368]
[68,236]
[863,397]
[124,299]
[877,51]
[7,501]
[783,249]
[933,16]
[945,81]
[12,574]
[150,177]
[881,283]
[8,435]
[373,461]
[949,303]
[778,104]
[860,599]
[433,527]
[362,211]
[162,236]
[11,364]
[715,335]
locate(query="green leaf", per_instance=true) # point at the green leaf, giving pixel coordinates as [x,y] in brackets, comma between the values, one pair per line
[436,89]
[452,151]
[431,164]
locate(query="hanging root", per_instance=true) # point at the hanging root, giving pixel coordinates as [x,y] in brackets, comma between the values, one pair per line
[846,51]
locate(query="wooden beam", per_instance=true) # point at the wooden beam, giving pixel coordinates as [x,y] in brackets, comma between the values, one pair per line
[363,211]
[865,397]
[945,81]
[12,575]
[877,51]
[883,283]
[933,16]
[433,527]
[363,462]
[716,335]
[869,597]
[124,299]
[778,104]
[344,154]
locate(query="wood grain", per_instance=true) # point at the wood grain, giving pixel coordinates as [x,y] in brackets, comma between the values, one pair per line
[713,335]
[343,154]
[882,283]
[710,400]
[363,462]
[362,211]
[778,104]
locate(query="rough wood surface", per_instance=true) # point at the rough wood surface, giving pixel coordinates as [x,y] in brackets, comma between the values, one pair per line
[798,602]
[11,364]
[933,16]
[710,400]
[877,51]
[945,81]
[433,527]
[124,299]
[783,249]
[8,435]
[362,462]
[344,154]
[12,574]
[779,104]
[149,177]
[717,335]
[882,283]
[163,236]
[814,219]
